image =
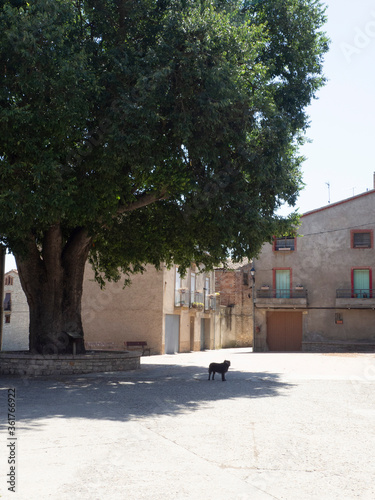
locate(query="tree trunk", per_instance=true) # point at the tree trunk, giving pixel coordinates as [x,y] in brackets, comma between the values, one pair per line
[52,279]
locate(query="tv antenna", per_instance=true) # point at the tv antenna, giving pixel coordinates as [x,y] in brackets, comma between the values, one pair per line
[329,191]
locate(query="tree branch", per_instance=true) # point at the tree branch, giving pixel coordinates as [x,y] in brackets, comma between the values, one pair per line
[143,200]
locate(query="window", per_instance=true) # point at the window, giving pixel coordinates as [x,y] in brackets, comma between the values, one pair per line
[282,282]
[361,238]
[361,283]
[206,293]
[7,318]
[7,302]
[284,244]
[192,288]
[178,294]
[8,280]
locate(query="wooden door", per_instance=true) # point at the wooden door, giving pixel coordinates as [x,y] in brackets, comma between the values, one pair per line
[284,331]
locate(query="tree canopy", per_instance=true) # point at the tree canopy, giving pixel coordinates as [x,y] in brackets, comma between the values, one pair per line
[151,131]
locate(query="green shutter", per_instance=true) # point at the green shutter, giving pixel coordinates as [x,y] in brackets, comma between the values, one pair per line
[283,283]
[361,282]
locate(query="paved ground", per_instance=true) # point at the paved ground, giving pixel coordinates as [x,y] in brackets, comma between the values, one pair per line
[284,426]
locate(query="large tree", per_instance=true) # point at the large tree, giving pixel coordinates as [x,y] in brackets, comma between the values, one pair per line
[146,132]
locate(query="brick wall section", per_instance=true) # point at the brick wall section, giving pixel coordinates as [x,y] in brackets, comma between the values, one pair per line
[225,283]
[28,365]
[236,304]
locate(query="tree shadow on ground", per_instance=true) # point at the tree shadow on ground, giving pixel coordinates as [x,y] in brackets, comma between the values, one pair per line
[154,390]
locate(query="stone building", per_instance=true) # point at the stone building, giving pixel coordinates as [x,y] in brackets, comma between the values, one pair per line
[314,292]
[16,315]
[170,312]
[234,284]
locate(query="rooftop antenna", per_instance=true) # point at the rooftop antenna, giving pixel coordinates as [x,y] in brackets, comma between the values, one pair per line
[329,192]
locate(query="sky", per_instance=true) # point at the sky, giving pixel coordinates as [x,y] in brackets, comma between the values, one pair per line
[340,159]
[342,118]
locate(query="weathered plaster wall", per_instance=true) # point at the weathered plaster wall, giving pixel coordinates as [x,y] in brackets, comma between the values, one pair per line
[322,263]
[118,315]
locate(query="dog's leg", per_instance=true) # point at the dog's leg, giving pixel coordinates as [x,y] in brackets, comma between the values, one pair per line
[223,377]
[213,375]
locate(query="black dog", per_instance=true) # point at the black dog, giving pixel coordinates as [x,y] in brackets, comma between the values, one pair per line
[218,368]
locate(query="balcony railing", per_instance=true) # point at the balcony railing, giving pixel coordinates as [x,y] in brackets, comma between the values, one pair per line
[276,293]
[289,298]
[196,300]
[214,301]
[356,293]
[182,298]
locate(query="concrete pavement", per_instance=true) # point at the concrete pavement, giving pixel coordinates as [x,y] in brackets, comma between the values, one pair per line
[283,426]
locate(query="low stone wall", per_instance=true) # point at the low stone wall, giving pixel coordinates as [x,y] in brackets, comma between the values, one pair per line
[336,346]
[34,365]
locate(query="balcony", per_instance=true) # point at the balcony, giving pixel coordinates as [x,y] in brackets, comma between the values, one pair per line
[196,300]
[182,298]
[213,301]
[290,298]
[355,298]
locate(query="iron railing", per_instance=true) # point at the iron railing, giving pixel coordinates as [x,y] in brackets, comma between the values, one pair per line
[196,300]
[276,293]
[284,244]
[182,298]
[355,293]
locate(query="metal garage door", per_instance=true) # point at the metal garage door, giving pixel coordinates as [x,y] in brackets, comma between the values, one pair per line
[172,333]
[284,331]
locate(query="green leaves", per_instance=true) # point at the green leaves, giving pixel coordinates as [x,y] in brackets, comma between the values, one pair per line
[196,104]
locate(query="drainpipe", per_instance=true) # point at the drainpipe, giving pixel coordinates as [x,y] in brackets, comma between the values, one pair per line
[2,273]
[252,272]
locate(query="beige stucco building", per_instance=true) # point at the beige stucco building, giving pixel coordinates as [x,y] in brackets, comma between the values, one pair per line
[315,292]
[16,314]
[171,313]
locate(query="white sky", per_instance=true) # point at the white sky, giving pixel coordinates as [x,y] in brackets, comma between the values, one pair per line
[343,116]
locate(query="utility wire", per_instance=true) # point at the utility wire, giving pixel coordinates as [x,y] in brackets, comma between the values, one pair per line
[335,230]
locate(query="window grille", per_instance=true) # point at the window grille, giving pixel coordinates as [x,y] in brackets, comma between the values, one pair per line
[362,240]
[284,244]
